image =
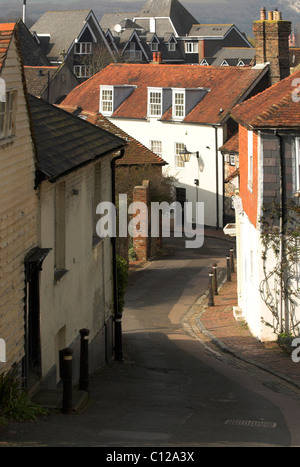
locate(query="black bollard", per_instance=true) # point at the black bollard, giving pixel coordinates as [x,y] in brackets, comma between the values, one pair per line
[84,360]
[210,290]
[118,338]
[67,361]
[228,269]
[232,259]
[215,279]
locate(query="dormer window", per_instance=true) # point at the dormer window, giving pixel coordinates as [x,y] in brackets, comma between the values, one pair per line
[106,100]
[178,104]
[155,103]
[111,97]
[154,46]
[191,47]
[172,47]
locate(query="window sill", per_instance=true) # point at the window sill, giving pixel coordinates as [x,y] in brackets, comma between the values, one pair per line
[58,274]
[7,141]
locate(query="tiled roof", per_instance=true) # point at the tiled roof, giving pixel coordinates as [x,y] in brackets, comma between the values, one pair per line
[231,146]
[273,108]
[135,153]
[213,108]
[64,142]
[6,33]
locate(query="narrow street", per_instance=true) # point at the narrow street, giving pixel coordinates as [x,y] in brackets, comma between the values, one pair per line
[171,391]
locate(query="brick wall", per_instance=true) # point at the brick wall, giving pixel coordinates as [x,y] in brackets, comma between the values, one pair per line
[272,45]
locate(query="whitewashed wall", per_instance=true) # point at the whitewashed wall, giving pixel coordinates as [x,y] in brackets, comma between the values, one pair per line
[196,138]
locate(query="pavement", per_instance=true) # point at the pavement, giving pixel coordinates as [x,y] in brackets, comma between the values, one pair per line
[217,325]
[216,328]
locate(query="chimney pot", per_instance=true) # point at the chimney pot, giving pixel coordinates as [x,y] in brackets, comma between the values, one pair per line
[263,15]
[270,15]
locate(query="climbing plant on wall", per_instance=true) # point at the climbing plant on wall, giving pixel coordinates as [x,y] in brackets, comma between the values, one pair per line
[280,237]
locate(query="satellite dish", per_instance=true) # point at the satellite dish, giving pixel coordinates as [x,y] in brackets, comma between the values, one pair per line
[118,28]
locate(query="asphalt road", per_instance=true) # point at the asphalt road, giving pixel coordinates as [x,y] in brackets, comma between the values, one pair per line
[170,391]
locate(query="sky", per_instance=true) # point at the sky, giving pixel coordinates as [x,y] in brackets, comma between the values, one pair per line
[240,12]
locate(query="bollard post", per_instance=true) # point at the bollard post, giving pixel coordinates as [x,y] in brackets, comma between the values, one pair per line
[67,360]
[215,279]
[210,290]
[118,337]
[232,259]
[84,360]
[228,269]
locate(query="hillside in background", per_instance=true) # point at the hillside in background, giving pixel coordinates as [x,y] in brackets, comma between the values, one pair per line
[242,13]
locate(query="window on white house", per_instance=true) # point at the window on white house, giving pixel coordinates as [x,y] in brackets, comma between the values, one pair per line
[191,47]
[106,107]
[250,160]
[83,48]
[82,71]
[178,104]
[156,147]
[232,159]
[179,148]
[155,103]
[8,115]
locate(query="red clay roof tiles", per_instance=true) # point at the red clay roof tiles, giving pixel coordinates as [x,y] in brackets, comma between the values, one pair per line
[227,86]
[276,107]
[6,33]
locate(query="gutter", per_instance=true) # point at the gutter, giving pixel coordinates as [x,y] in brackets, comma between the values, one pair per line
[217,177]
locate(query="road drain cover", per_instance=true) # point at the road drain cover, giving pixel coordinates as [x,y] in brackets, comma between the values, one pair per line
[252,423]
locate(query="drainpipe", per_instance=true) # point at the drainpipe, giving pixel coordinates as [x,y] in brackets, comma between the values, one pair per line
[117,315]
[217,177]
[283,221]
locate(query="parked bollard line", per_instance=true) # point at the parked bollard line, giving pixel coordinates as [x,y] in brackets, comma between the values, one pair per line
[67,375]
[84,360]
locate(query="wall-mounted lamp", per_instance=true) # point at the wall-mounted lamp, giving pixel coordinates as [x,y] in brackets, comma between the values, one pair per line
[186,155]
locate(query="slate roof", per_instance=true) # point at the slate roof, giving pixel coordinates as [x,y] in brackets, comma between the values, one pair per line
[233,55]
[209,30]
[32,53]
[64,142]
[181,18]
[135,153]
[6,34]
[273,108]
[63,26]
[221,97]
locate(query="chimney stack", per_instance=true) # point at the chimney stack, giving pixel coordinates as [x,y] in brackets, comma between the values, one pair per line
[272,44]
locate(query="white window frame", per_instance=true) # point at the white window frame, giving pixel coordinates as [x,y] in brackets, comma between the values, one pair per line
[156,147]
[178,108]
[224,63]
[82,71]
[172,47]
[8,115]
[155,107]
[81,48]
[106,100]
[250,160]
[179,164]
[191,47]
